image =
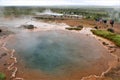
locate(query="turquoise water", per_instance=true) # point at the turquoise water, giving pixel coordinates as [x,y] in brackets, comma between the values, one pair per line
[54,50]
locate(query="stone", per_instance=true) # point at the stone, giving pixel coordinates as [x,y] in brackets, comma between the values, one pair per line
[110,30]
[28,26]
[4,54]
[96,27]
[0,30]
[104,43]
[80,26]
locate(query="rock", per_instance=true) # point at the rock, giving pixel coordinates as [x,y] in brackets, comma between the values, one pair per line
[96,27]
[104,43]
[4,54]
[80,26]
[0,30]
[118,59]
[109,48]
[112,46]
[4,64]
[112,50]
[28,26]
[110,30]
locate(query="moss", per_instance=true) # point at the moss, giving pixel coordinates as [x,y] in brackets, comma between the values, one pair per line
[2,76]
[108,35]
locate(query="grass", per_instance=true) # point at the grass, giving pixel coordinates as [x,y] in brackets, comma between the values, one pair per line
[108,35]
[75,28]
[2,76]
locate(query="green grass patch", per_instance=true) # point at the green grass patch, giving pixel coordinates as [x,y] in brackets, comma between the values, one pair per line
[75,28]
[108,35]
[2,76]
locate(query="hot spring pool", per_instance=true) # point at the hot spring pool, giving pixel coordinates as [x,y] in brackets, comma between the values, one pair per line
[60,53]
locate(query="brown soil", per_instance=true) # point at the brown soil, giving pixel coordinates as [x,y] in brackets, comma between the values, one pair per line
[4,60]
[72,23]
[89,23]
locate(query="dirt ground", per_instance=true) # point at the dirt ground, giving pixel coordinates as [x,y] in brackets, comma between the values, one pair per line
[90,23]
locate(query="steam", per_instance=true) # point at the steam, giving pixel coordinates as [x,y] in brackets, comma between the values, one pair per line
[35,48]
[1,12]
[115,14]
[49,12]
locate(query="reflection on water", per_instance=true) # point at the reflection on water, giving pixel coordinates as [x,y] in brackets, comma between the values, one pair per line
[54,50]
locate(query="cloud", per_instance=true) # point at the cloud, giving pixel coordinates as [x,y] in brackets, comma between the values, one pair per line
[58,2]
[32,2]
[103,2]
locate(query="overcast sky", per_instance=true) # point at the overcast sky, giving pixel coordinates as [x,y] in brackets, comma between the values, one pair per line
[59,2]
